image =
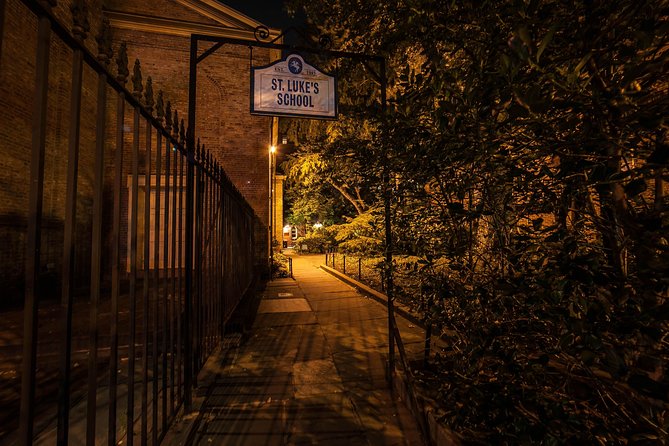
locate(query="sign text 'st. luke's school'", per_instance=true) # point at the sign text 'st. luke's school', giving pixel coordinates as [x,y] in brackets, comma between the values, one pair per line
[299,92]
[291,87]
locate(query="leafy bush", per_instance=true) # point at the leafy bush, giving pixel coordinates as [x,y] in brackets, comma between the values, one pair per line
[280,267]
[317,241]
[361,234]
[528,168]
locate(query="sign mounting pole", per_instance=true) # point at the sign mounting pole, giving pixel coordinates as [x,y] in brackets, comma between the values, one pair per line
[297,100]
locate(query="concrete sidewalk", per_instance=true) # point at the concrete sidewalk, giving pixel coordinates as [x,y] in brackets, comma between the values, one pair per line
[312,371]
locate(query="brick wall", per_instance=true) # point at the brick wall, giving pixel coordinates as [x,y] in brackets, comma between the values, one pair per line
[236,139]
[16,99]
[224,125]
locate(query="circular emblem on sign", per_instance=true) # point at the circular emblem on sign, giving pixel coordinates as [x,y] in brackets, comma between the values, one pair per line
[295,65]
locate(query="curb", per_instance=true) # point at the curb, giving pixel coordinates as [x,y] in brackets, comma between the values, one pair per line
[440,435]
[377,296]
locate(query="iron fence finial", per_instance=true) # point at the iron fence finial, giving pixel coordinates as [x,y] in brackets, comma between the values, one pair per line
[137,81]
[182,132]
[104,40]
[159,106]
[168,117]
[190,134]
[175,123]
[148,95]
[122,64]
[80,24]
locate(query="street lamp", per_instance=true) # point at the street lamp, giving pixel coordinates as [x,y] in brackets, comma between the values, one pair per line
[272,151]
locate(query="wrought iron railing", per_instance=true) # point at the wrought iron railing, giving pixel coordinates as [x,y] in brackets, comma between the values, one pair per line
[112,361]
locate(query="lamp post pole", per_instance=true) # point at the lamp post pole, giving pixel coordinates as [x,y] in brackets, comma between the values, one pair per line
[272,151]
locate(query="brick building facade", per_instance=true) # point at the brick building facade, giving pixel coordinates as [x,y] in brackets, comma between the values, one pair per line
[157,33]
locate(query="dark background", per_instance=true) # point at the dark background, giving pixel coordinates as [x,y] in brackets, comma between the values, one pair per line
[268,12]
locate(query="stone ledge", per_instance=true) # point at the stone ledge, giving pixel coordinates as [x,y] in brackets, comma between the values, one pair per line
[440,435]
[379,297]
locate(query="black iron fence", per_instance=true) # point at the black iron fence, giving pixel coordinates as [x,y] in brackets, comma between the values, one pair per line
[368,270]
[112,358]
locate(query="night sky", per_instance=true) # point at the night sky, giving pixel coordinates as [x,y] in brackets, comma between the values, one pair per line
[268,12]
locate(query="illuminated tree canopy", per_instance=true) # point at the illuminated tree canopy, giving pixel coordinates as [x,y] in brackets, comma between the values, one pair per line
[528,145]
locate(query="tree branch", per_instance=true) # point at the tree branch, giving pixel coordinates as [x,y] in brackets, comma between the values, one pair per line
[359,205]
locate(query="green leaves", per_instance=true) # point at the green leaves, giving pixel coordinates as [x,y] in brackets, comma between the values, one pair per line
[524,141]
[581,63]
[546,41]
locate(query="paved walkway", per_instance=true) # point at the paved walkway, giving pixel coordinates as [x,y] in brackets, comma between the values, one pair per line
[312,371]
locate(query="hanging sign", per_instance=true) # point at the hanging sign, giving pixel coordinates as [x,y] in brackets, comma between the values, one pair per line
[292,87]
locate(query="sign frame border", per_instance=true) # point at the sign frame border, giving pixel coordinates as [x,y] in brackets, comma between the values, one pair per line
[293,115]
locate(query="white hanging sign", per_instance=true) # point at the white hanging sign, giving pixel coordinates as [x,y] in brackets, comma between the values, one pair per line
[292,87]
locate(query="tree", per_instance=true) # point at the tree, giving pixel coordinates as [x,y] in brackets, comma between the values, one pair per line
[527,141]
[309,171]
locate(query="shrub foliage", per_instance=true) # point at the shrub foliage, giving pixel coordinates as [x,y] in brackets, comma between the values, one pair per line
[525,142]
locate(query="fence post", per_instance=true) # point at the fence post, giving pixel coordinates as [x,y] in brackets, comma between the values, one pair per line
[80,25]
[197,263]
[177,266]
[190,177]
[160,112]
[360,269]
[344,264]
[34,233]
[428,344]
[426,302]
[121,77]
[168,329]
[130,412]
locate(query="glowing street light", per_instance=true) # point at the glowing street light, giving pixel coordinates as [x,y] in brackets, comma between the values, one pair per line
[272,152]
